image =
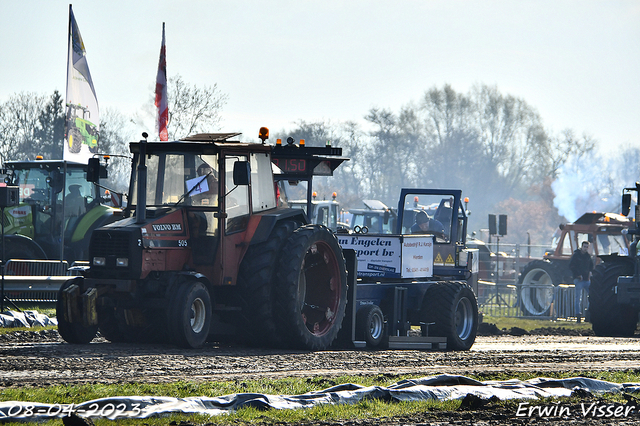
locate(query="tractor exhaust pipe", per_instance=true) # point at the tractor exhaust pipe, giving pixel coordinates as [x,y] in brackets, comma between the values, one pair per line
[141,202]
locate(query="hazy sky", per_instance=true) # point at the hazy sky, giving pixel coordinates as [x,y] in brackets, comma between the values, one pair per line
[280,61]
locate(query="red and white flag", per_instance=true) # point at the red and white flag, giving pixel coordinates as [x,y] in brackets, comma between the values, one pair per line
[162,102]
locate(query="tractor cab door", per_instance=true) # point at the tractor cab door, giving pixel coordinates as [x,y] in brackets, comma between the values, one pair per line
[235,211]
[248,189]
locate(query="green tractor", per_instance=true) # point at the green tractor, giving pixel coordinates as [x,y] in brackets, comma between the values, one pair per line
[80,130]
[614,294]
[58,208]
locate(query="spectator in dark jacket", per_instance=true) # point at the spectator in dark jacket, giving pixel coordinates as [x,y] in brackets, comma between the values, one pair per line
[581,266]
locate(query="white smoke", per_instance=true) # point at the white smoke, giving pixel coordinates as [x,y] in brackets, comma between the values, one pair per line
[589,184]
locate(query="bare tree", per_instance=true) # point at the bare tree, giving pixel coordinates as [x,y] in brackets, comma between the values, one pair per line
[346,180]
[116,131]
[18,124]
[193,109]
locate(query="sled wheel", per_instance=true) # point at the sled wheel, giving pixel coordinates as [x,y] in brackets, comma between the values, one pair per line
[370,325]
[453,310]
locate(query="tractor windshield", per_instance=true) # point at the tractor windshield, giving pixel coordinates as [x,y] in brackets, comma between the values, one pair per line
[32,183]
[180,179]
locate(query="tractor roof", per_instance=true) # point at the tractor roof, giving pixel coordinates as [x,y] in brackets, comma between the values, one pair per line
[200,143]
[26,164]
[599,217]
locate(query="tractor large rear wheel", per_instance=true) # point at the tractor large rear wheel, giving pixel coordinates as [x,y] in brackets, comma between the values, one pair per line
[607,316]
[310,288]
[537,286]
[452,309]
[255,284]
[75,141]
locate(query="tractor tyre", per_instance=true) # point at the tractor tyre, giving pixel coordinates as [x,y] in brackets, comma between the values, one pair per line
[310,288]
[75,141]
[19,247]
[255,284]
[190,315]
[452,309]
[93,149]
[536,288]
[72,331]
[370,325]
[607,316]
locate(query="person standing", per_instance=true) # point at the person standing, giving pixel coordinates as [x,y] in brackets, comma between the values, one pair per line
[581,266]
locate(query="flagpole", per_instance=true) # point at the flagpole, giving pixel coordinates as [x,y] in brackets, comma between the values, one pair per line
[66,95]
[66,133]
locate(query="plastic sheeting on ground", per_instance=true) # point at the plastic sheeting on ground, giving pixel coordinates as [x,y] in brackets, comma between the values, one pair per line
[25,319]
[442,388]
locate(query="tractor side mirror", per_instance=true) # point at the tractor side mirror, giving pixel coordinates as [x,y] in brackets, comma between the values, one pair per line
[95,171]
[241,173]
[626,204]
[386,216]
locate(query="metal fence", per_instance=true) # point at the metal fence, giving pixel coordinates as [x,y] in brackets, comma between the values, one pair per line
[498,291]
[35,280]
[504,300]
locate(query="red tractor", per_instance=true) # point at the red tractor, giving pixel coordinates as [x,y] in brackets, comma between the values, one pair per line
[203,249]
[539,277]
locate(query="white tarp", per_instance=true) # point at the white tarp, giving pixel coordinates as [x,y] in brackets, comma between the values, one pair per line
[25,319]
[443,387]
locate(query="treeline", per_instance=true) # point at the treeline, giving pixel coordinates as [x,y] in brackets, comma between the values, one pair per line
[492,146]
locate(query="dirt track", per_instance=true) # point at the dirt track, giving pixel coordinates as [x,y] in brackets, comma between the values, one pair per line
[43,359]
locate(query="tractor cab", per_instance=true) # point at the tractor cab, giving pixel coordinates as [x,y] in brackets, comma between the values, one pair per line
[58,207]
[376,218]
[323,212]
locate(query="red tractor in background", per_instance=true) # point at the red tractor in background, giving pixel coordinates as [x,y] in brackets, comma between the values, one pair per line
[539,277]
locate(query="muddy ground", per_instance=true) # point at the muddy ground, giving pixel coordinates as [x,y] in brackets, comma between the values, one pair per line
[42,358]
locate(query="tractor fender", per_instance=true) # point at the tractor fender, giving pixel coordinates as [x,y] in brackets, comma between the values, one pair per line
[98,216]
[268,221]
[31,249]
[180,277]
[610,258]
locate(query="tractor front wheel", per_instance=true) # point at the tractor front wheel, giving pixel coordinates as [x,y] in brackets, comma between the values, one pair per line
[69,315]
[190,320]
